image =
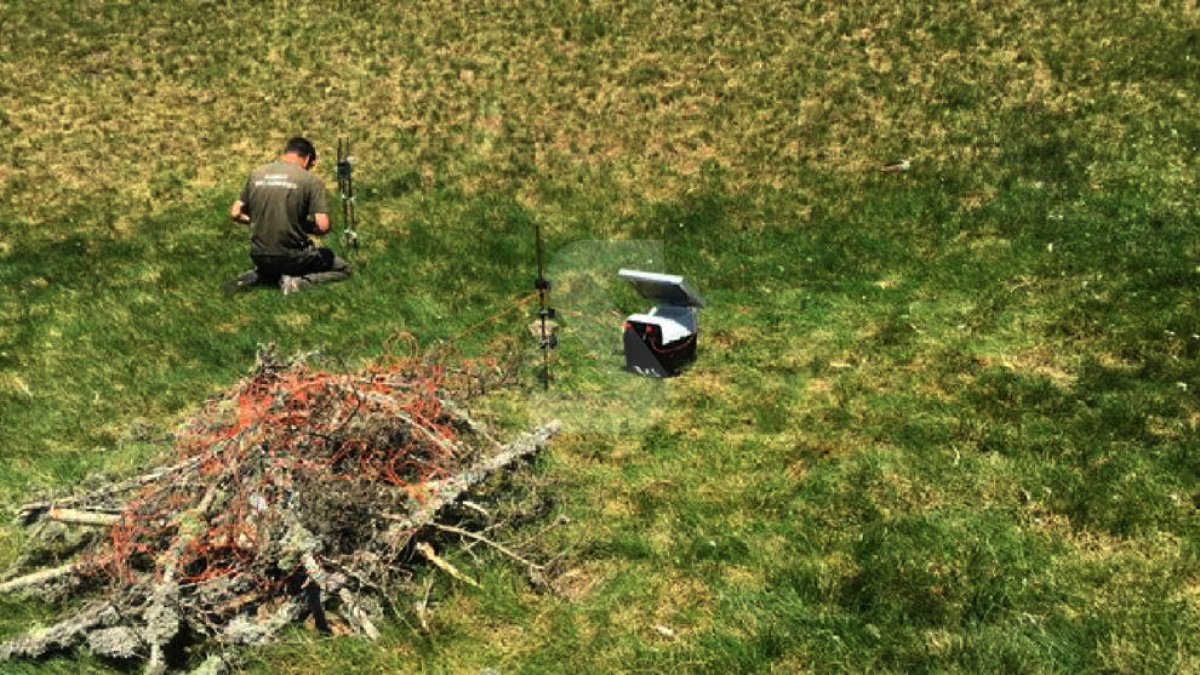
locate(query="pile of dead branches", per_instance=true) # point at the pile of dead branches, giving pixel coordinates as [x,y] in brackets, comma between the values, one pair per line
[299,495]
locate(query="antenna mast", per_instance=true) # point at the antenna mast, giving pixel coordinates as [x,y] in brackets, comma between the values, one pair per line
[546,327]
[345,176]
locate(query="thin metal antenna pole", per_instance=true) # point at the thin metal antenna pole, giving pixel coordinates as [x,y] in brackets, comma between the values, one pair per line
[345,174]
[547,339]
[541,270]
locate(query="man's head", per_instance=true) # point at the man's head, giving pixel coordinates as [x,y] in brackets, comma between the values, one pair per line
[303,150]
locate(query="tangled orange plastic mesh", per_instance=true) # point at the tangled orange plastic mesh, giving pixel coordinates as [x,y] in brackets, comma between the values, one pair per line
[336,450]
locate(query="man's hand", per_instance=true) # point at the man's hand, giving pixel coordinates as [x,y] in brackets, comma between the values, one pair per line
[321,223]
[238,214]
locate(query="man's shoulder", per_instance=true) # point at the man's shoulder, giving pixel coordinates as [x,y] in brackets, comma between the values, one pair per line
[310,181]
[296,174]
[269,168]
[286,172]
[309,177]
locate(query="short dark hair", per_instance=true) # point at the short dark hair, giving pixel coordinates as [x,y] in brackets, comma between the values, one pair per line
[300,146]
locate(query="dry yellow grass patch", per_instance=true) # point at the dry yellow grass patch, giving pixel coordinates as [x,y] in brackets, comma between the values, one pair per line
[235,326]
[819,385]
[1170,429]
[14,383]
[296,320]
[973,201]
[577,584]
[1190,593]
[730,338]
[744,578]
[790,664]
[940,642]
[1040,361]
[681,597]
[889,282]
[1115,362]
[617,508]
[798,470]
[825,443]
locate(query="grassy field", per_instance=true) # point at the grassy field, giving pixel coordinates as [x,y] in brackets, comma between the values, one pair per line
[940,421]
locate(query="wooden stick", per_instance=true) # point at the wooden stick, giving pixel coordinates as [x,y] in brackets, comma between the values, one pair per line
[476,508]
[82,517]
[314,571]
[39,577]
[244,630]
[427,551]
[190,524]
[422,607]
[357,615]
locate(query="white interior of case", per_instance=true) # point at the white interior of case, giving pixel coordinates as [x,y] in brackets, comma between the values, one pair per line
[675,314]
[673,325]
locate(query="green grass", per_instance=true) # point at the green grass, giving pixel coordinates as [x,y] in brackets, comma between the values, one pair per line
[944,421]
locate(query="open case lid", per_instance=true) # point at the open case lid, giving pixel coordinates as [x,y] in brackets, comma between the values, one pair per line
[665,289]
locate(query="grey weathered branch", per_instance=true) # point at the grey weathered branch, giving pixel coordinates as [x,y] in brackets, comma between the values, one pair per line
[358,617]
[61,635]
[38,578]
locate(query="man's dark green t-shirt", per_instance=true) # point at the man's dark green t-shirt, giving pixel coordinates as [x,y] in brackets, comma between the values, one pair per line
[281,198]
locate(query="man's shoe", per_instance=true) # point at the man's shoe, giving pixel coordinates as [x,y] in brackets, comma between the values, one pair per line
[289,285]
[242,283]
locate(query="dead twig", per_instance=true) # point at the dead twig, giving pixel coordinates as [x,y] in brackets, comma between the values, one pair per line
[427,551]
[414,424]
[476,508]
[484,540]
[422,607]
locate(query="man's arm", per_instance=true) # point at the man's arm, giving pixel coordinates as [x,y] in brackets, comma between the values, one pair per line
[238,214]
[318,206]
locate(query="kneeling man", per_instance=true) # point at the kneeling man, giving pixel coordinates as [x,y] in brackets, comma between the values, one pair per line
[283,203]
